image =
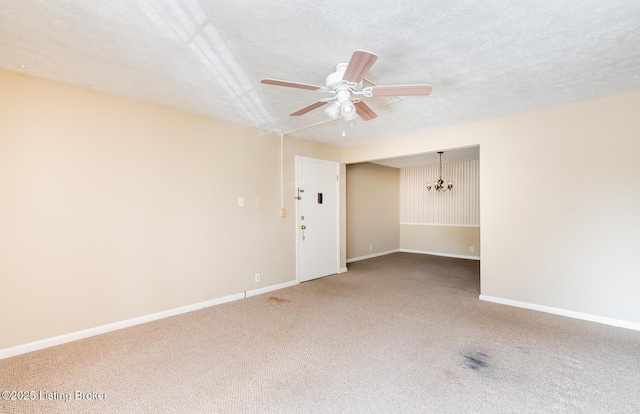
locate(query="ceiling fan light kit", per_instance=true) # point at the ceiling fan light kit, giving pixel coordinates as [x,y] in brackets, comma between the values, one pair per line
[347,110]
[333,110]
[346,86]
[439,184]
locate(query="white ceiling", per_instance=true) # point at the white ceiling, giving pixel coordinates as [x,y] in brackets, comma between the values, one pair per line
[484,59]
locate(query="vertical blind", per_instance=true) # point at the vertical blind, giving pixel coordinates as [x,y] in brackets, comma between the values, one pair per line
[460,206]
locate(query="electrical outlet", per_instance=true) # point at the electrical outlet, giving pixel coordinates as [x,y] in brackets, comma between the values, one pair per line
[370,247]
[258,202]
[257,277]
[471,249]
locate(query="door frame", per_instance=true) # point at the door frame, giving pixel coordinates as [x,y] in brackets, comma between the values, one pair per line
[337,210]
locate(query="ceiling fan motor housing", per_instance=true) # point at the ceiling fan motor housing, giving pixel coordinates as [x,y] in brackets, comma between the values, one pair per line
[334,80]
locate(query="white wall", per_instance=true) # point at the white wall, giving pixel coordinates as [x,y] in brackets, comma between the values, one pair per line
[559,203]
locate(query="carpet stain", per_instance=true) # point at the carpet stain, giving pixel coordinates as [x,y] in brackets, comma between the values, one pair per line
[452,377]
[277,300]
[477,361]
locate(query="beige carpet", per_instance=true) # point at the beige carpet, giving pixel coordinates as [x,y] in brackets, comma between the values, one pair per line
[402,333]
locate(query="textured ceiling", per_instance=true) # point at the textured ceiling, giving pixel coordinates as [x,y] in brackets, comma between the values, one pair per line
[484,59]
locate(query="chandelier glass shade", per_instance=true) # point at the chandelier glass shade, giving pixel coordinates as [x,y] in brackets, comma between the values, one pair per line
[440,185]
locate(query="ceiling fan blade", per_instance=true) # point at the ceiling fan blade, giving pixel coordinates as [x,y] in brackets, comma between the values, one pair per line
[364,111]
[277,82]
[401,90]
[308,108]
[360,63]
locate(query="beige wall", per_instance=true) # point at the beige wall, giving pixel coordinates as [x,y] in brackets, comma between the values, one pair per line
[454,241]
[373,209]
[559,203]
[113,209]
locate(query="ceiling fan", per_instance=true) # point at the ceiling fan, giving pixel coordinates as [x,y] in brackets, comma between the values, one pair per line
[345,84]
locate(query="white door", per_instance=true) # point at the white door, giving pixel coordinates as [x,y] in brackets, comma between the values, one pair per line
[317,218]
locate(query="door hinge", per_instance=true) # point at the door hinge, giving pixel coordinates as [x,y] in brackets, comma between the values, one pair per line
[337,179]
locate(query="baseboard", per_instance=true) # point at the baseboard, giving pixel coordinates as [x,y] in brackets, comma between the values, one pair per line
[457,256]
[86,333]
[342,270]
[355,259]
[563,312]
[268,289]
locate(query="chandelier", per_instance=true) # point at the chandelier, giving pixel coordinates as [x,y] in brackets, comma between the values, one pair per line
[439,185]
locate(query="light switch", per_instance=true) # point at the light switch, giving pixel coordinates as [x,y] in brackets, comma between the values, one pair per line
[240,202]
